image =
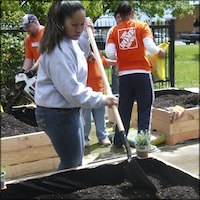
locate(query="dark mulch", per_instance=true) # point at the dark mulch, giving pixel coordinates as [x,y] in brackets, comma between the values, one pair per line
[11,126]
[184,100]
[125,190]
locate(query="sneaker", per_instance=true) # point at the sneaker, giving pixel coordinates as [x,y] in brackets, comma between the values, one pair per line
[153,148]
[105,142]
[86,143]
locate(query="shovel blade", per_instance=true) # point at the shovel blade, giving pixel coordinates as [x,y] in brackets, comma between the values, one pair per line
[138,177]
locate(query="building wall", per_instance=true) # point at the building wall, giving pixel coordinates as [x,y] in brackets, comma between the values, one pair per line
[186,24]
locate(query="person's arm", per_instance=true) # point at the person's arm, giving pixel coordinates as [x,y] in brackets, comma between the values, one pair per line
[111,62]
[152,48]
[36,65]
[84,41]
[110,48]
[28,63]
[28,60]
[111,51]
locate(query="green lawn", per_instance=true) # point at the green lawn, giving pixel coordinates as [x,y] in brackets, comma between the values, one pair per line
[187,66]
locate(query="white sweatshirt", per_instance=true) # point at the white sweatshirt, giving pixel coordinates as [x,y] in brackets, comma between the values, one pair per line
[62,76]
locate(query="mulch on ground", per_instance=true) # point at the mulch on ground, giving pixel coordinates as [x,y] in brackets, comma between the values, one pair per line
[11,126]
[184,100]
[125,190]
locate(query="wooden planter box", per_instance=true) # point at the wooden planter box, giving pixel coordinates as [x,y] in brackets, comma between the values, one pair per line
[33,153]
[109,172]
[27,154]
[179,130]
[184,128]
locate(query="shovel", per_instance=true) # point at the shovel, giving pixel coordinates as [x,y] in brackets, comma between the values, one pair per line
[135,173]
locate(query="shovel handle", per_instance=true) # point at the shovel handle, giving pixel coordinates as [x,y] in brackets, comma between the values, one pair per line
[104,77]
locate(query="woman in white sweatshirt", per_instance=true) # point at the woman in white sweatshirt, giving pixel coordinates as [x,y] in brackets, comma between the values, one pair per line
[61,81]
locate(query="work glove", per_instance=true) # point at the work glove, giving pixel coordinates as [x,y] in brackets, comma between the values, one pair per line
[176,112]
[30,73]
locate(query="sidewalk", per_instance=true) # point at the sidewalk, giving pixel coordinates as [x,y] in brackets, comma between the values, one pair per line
[184,155]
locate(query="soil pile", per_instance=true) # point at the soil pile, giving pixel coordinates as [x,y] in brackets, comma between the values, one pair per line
[11,126]
[126,190]
[184,100]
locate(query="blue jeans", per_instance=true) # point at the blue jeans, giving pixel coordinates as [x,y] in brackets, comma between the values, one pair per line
[139,87]
[65,130]
[99,119]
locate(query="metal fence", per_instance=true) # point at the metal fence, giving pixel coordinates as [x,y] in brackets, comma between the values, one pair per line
[162,32]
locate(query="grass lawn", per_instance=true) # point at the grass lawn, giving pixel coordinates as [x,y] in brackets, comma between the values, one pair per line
[187,66]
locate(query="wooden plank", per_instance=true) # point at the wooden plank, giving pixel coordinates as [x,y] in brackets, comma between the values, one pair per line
[190,114]
[174,139]
[161,114]
[28,155]
[186,126]
[19,142]
[30,168]
[161,126]
[134,117]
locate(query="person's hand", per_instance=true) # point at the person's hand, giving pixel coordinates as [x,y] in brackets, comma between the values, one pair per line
[30,73]
[91,57]
[161,53]
[89,23]
[111,100]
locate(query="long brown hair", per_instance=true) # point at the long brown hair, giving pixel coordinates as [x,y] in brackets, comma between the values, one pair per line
[54,30]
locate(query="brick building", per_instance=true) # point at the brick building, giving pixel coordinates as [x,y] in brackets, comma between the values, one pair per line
[188,23]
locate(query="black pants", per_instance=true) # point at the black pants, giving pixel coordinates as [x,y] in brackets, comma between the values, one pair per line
[134,87]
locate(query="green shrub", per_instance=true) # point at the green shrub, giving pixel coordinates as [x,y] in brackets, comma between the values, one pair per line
[12,56]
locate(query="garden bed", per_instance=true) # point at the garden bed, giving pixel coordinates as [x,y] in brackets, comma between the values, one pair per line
[27,150]
[184,128]
[107,180]
[11,126]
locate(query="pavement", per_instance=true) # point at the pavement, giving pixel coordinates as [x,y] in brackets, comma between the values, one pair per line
[179,42]
[184,156]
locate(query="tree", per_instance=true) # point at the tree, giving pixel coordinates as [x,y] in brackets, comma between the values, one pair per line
[149,7]
[12,44]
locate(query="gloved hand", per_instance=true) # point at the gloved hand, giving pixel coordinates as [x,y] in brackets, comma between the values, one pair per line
[30,73]
[176,112]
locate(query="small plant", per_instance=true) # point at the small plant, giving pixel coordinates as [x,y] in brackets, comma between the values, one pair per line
[142,143]
[142,139]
